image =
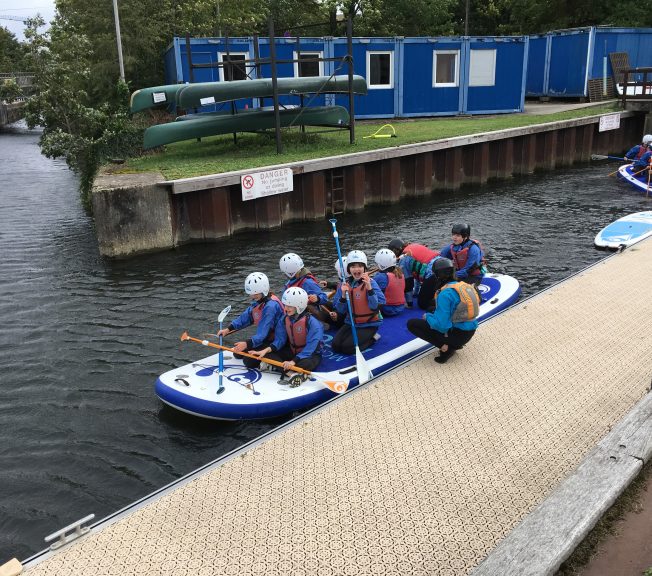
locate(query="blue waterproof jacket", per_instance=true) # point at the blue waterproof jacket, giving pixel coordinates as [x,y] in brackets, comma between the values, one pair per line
[271,314]
[441,319]
[642,162]
[375,299]
[314,337]
[474,257]
[631,155]
[310,286]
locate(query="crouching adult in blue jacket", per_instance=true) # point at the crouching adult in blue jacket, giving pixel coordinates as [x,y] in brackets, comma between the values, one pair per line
[298,336]
[454,321]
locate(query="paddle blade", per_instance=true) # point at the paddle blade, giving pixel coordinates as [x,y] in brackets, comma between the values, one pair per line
[224,313]
[184,336]
[364,372]
[339,387]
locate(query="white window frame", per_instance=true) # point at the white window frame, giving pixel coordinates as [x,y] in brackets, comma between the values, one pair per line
[391,70]
[310,53]
[483,79]
[222,55]
[456,82]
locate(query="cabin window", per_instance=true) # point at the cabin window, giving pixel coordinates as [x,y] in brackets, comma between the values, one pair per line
[380,70]
[445,68]
[308,65]
[234,67]
[482,68]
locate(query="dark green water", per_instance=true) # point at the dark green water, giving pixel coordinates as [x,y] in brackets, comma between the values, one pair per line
[82,339]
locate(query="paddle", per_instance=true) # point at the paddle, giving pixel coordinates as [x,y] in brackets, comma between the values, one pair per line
[647,192]
[337,386]
[602,157]
[364,372]
[220,373]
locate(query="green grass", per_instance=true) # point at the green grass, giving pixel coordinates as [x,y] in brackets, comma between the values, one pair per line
[219,154]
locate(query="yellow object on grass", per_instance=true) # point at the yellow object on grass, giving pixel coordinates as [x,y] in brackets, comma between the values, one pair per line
[378,133]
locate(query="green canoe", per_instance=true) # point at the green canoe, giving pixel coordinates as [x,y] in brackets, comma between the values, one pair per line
[189,96]
[246,121]
[206,93]
[155,96]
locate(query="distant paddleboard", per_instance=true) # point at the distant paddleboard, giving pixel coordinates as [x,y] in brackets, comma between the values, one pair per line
[625,231]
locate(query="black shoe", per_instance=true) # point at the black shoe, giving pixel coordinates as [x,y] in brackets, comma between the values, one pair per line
[444,356]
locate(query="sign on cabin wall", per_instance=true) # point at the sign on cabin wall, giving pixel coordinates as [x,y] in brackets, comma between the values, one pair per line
[267,183]
[609,122]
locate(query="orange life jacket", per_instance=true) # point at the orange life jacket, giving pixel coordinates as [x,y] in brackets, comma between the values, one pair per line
[395,290]
[461,256]
[360,305]
[297,333]
[257,312]
[469,306]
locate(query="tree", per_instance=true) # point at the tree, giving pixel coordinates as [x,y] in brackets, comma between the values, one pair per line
[12,52]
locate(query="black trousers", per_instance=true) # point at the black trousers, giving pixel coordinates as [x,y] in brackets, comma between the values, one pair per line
[429,286]
[343,340]
[250,362]
[286,353]
[455,338]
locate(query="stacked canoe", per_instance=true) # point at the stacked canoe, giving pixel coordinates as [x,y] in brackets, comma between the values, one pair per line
[192,96]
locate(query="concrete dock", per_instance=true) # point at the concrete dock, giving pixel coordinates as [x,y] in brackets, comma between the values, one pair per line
[495,463]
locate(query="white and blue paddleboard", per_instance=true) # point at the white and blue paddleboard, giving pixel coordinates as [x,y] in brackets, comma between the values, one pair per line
[639,181]
[253,394]
[625,231]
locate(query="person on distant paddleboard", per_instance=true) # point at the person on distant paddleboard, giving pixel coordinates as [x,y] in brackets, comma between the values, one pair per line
[454,321]
[391,281]
[366,298]
[298,336]
[467,255]
[264,312]
[413,259]
[637,151]
[641,166]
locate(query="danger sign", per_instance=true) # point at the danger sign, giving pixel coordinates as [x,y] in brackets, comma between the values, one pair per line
[268,183]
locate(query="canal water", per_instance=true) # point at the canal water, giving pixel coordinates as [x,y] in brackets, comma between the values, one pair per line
[83,338]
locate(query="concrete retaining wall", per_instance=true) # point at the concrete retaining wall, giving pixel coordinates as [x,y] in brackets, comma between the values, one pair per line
[136,214]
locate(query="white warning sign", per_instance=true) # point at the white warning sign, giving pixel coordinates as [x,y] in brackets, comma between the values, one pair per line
[267,183]
[609,122]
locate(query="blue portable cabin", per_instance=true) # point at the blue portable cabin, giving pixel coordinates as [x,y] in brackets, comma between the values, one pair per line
[405,76]
[466,75]
[563,63]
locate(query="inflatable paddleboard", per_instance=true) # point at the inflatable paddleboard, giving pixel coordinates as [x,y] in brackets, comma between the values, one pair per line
[625,231]
[640,183]
[254,394]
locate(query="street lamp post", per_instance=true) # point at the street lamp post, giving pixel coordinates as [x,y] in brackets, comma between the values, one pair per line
[118,39]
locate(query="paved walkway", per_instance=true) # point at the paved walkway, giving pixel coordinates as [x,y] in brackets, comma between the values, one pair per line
[425,470]
[552,107]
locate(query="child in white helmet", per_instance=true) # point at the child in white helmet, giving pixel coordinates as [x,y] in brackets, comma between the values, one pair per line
[297,336]
[391,281]
[264,312]
[292,266]
[366,299]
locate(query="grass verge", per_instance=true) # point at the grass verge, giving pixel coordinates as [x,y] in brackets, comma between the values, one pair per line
[608,525]
[219,154]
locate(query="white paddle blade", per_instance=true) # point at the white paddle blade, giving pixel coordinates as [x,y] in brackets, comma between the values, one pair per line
[364,372]
[224,313]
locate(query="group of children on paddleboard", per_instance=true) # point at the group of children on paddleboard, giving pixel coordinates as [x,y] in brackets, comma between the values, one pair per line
[290,329]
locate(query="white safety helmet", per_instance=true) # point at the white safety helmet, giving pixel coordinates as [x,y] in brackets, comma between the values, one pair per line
[385,258]
[257,283]
[355,257]
[338,269]
[296,297]
[290,264]
[647,139]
